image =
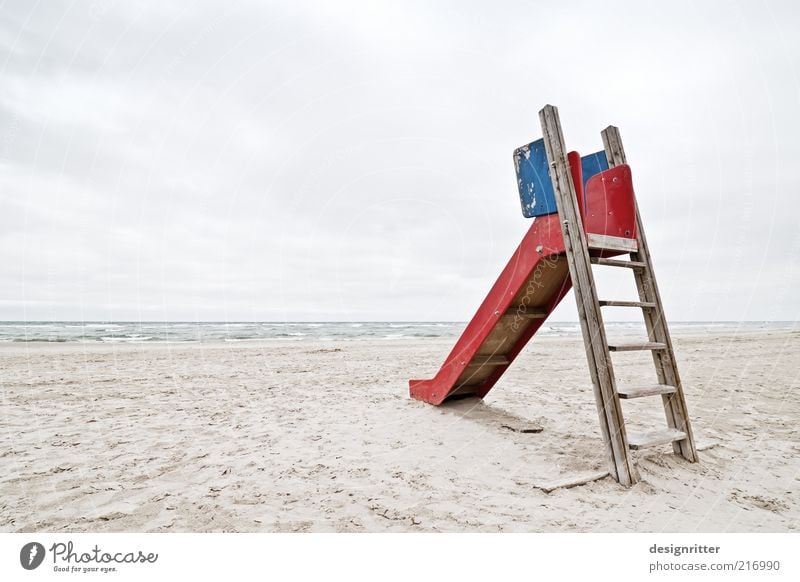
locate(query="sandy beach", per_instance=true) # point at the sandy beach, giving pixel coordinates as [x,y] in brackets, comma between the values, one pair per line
[322,436]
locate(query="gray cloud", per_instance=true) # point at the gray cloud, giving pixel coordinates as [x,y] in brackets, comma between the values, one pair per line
[331,161]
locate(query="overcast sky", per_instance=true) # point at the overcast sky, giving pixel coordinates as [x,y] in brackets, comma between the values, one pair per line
[353,161]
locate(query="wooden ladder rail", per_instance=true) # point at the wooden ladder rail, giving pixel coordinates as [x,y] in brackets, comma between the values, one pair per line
[657,330]
[609,408]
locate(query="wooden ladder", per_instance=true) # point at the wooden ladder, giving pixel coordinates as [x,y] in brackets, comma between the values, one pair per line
[607,394]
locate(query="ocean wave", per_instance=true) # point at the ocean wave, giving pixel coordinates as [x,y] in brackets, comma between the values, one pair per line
[176,332]
[40,339]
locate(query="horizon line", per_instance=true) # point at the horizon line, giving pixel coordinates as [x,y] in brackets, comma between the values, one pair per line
[4,321]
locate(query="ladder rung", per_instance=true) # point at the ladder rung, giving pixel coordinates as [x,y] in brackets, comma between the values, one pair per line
[642,304]
[617,263]
[611,243]
[629,392]
[637,347]
[488,361]
[654,439]
[528,313]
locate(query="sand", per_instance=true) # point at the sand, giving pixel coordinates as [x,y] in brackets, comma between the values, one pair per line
[302,436]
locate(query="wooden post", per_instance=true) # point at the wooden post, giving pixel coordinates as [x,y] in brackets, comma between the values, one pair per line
[608,405]
[666,367]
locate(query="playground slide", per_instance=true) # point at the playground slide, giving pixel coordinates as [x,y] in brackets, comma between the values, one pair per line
[536,277]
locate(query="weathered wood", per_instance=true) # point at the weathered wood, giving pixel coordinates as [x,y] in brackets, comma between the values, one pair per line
[618,263]
[574,481]
[656,438]
[642,304]
[637,347]
[704,445]
[628,392]
[464,391]
[529,313]
[488,361]
[675,408]
[609,408]
[611,243]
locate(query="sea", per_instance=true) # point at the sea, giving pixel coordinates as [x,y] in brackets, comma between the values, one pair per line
[217,331]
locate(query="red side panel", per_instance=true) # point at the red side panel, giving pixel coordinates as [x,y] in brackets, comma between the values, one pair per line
[574,159]
[610,201]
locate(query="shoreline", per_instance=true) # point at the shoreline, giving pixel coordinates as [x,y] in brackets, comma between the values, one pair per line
[212,333]
[265,342]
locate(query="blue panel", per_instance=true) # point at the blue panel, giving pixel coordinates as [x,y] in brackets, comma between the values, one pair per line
[535,189]
[592,165]
[533,180]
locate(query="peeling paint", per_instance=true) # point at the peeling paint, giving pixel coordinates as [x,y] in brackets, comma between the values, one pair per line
[533,179]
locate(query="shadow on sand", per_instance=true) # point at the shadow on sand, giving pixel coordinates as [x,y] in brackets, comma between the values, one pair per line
[488,416]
